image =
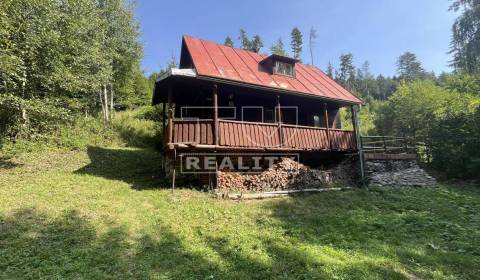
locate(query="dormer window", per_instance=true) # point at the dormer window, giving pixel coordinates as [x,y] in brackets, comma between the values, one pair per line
[280,65]
[283,68]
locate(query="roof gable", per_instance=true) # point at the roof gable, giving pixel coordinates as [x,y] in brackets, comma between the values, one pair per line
[222,62]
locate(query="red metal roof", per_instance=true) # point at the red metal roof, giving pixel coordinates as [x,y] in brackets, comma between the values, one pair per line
[223,62]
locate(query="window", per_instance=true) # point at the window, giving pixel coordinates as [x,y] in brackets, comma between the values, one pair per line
[283,68]
[268,116]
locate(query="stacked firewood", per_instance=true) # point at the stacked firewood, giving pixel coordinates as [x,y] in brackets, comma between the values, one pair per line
[285,175]
[231,181]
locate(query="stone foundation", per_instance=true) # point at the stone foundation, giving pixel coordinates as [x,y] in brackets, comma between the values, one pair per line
[396,173]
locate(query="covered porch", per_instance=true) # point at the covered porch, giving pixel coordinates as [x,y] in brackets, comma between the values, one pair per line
[210,115]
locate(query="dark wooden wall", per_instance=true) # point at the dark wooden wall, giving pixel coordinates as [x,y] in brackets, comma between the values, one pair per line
[200,94]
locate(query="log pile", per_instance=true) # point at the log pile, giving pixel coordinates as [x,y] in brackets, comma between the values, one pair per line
[285,175]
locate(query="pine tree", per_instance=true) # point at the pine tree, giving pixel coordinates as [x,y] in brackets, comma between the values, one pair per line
[296,43]
[409,68]
[278,48]
[256,44]
[228,42]
[311,42]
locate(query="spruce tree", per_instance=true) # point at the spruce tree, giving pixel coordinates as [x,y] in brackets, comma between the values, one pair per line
[329,70]
[243,38]
[296,43]
[278,48]
[409,68]
[346,76]
[228,42]
[256,44]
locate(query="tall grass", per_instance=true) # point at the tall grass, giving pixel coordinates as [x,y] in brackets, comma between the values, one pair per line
[133,128]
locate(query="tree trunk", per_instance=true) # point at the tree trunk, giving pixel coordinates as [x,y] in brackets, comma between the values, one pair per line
[101,102]
[111,101]
[105,95]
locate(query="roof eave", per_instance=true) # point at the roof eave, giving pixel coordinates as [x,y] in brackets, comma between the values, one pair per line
[177,72]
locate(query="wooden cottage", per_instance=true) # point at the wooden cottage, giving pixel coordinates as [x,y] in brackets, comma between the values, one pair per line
[225,99]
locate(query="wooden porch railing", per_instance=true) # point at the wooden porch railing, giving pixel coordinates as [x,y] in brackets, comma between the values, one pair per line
[192,131]
[262,135]
[387,144]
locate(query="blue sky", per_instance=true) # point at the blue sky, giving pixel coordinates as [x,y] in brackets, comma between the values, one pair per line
[377,31]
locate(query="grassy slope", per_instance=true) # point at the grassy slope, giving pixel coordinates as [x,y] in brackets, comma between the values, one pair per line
[101,212]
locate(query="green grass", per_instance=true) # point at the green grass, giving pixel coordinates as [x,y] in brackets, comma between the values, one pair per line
[105,213]
[94,206]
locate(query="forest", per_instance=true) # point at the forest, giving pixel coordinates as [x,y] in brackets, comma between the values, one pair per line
[67,63]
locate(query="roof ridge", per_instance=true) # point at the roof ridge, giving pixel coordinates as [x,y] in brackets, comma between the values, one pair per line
[237,48]
[216,43]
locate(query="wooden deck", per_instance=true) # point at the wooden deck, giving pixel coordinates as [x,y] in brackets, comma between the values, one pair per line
[245,135]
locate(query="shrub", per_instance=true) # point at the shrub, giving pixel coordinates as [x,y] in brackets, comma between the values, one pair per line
[24,119]
[152,113]
[456,145]
[138,127]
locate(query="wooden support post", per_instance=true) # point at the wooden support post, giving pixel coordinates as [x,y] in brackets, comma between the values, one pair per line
[215,129]
[327,126]
[216,172]
[171,115]
[384,144]
[173,173]
[358,139]
[164,116]
[215,114]
[279,121]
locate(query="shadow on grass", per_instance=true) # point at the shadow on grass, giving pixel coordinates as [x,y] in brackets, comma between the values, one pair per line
[6,163]
[35,246]
[369,236]
[141,168]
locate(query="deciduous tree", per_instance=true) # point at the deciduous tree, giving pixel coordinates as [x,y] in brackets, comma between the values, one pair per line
[465,45]
[312,40]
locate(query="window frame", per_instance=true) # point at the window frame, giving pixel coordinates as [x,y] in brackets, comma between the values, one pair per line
[275,68]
